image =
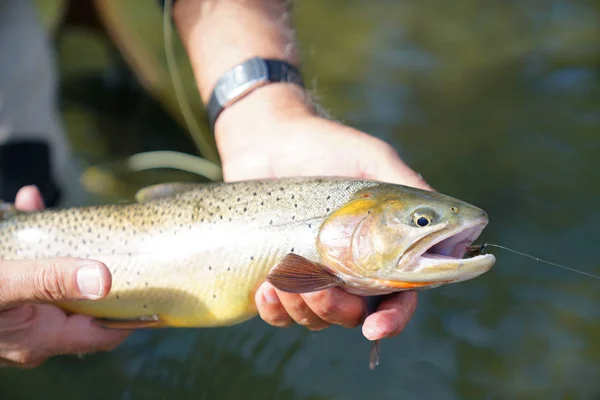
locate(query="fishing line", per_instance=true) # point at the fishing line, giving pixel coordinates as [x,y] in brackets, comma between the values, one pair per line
[173,70]
[480,247]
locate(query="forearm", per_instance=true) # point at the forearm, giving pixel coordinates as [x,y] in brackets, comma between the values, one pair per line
[219,34]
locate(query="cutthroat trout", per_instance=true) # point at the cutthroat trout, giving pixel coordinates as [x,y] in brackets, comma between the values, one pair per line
[193,255]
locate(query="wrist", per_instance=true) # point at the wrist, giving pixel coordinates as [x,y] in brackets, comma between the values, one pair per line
[253,120]
[221,34]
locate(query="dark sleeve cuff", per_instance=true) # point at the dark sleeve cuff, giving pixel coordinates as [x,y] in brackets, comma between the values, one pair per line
[27,162]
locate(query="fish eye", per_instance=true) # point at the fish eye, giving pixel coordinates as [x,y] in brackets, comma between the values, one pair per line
[422,219]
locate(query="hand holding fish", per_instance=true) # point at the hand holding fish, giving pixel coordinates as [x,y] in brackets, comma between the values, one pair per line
[295,142]
[275,132]
[29,332]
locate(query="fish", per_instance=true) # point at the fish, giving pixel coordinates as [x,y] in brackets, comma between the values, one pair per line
[194,254]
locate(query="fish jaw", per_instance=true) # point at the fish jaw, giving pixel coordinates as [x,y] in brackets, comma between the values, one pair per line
[442,259]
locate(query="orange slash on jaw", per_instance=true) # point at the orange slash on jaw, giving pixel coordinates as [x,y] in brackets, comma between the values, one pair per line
[407,285]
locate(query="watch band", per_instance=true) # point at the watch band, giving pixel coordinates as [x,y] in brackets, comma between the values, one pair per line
[243,78]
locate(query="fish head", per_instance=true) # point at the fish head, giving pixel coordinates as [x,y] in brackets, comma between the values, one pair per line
[391,237]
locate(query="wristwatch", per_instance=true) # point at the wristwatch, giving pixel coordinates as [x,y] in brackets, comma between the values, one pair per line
[243,78]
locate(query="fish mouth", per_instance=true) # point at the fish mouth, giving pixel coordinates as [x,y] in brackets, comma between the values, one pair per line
[443,260]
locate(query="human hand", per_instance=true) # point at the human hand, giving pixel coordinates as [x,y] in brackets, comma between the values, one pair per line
[30,333]
[261,138]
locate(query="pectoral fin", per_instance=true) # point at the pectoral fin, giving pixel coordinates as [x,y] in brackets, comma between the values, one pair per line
[296,274]
[147,321]
[163,190]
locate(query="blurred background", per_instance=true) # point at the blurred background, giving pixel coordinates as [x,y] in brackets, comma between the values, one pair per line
[494,102]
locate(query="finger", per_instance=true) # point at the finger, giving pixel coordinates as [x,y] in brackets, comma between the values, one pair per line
[270,308]
[81,335]
[387,166]
[336,307]
[50,280]
[391,317]
[300,312]
[34,333]
[29,198]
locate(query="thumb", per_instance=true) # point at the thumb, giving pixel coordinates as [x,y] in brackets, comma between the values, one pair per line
[51,280]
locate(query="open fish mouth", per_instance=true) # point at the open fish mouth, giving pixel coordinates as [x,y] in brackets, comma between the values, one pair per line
[455,245]
[444,260]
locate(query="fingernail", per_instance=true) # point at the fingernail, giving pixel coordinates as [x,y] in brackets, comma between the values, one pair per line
[270,296]
[89,281]
[370,332]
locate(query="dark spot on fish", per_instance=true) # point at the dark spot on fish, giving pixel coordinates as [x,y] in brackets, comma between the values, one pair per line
[347,187]
[293,197]
[291,251]
[262,203]
[245,209]
[220,216]
[278,199]
[254,194]
[230,219]
[310,225]
[327,209]
[129,254]
[269,193]
[99,250]
[281,189]
[293,217]
[328,197]
[146,283]
[271,222]
[228,268]
[202,220]
[209,268]
[127,283]
[98,236]
[138,272]
[238,199]
[89,230]
[210,204]
[229,208]
[369,212]
[252,257]
[113,251]
[214,296]
[145,306]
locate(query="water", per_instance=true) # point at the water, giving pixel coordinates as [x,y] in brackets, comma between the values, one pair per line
[497,103]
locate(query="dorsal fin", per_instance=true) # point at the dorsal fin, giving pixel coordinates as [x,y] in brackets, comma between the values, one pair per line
[162,190]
